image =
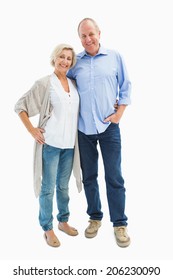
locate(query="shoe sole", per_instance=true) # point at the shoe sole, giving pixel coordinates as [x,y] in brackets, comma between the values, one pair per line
[88,235]
[123,244]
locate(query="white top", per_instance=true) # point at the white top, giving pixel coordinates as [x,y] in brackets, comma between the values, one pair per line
[61,128]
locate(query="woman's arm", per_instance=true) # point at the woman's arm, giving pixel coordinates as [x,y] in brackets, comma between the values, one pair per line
[36,132]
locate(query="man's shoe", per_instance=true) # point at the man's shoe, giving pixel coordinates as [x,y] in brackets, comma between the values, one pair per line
[92,229]
[122,238]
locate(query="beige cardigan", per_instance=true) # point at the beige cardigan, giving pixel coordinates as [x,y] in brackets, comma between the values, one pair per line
[37,101]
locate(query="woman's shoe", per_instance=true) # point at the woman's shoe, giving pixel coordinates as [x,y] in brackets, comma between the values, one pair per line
[63,226]
[52,240]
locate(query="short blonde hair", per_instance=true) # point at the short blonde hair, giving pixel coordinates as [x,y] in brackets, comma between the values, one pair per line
[58,50]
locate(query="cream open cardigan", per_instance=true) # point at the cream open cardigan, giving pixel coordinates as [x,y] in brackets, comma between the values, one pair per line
[37,101]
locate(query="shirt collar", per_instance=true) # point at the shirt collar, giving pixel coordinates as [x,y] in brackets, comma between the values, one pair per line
[102,50]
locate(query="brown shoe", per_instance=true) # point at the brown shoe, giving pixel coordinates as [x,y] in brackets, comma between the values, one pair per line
[52,240]
[63,226]
[92,229]
[122,238]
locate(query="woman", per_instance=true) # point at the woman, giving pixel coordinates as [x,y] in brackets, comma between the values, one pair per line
[56,100]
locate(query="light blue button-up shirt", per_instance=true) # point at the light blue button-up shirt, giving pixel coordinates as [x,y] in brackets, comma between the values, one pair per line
[101,80]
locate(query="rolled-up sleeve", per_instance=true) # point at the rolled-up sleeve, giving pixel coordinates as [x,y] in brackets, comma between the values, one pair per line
[30,102]
[124,83]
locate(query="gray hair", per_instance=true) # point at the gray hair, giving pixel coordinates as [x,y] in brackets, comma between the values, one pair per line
[88,19]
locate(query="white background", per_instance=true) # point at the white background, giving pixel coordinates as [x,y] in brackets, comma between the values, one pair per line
[141,31]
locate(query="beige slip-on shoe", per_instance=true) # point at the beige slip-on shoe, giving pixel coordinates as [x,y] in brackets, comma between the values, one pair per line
[52,241]
[63,226]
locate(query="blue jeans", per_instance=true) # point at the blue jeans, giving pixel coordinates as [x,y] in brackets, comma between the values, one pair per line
[57,167]
[110,145]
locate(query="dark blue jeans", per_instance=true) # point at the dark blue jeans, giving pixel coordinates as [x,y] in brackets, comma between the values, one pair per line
[110,145]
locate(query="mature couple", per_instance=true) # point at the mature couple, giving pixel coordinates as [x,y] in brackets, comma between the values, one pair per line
[77,110]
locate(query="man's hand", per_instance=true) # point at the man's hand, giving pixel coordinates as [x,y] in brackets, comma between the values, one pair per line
[115,118]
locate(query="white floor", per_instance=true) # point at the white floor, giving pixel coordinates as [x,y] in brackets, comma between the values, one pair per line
[148,206]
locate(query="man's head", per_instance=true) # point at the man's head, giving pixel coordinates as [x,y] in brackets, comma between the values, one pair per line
[89,34]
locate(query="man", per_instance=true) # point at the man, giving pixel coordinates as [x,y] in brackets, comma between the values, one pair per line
[101,79]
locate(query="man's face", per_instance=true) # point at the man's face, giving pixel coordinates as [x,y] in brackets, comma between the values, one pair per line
[89,36]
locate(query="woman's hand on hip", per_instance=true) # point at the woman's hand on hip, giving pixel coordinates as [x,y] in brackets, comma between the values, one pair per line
[37,133]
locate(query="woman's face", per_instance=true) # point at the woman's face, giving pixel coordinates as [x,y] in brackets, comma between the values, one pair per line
[64,61]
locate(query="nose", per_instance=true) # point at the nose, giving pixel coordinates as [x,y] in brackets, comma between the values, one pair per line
[87,39]
[65,60]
